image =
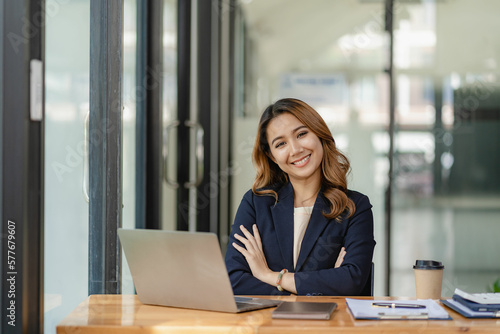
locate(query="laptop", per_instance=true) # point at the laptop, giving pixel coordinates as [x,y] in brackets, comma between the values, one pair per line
[183,269]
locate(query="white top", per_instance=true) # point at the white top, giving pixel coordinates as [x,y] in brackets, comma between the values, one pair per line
[301,218]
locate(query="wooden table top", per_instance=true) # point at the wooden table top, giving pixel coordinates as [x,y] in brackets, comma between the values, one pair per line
[126,314]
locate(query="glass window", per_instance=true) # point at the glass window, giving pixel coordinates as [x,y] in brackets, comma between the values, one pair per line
[447,190]
[66,203]
[130,92]
[331,54]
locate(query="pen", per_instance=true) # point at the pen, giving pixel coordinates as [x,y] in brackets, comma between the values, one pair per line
[397,305]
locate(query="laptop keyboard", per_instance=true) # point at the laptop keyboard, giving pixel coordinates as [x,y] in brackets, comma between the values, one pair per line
[247,303]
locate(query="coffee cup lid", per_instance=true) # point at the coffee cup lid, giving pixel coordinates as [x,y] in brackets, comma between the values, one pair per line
[428,264]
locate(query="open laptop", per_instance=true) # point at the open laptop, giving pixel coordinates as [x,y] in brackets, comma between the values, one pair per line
[183,269]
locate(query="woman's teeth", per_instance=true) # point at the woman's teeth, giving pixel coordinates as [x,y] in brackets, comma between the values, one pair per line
[301,161]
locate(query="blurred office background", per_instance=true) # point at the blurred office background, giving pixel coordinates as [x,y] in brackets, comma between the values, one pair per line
[443,201]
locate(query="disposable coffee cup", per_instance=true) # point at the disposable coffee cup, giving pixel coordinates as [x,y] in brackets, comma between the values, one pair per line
[428,279]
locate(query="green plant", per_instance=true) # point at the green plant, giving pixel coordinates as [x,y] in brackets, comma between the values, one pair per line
[496,286]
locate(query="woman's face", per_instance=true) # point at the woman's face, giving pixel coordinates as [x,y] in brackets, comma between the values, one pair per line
[295,148]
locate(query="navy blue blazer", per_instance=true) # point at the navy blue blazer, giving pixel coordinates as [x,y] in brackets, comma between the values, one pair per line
[314,273]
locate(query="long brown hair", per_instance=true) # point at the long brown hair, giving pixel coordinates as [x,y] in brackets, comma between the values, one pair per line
[334,166]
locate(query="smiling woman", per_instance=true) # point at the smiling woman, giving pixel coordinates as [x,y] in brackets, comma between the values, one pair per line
[312,136]
[300,229]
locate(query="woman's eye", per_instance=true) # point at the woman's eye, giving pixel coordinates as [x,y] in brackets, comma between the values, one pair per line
[279,144]
[302,134]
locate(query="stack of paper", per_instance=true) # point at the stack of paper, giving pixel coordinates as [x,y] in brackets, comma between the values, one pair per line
[389,309]
[474,305]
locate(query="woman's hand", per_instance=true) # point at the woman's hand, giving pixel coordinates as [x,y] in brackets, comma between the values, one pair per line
[253,252]
[340,258]
[256,259]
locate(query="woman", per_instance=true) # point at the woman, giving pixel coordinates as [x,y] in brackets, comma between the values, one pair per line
[299,229]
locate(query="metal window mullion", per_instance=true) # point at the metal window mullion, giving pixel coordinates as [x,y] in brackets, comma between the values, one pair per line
[183,110]
[21,171]
[193,119]
[207,83]
[226,91]
[212,117]
[105,145]
[140,116]
[389,27]
[152,84]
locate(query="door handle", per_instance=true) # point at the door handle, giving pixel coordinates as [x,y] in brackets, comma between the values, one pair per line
[85,183]
[199,154]
[165,151]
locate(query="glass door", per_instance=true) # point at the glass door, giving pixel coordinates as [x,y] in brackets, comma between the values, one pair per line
[446,185]
[67,152]
[66,178]
[331,54]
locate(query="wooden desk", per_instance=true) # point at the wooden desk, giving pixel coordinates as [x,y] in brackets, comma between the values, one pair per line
[126,314]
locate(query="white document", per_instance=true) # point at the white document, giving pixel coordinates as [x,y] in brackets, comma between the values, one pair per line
[364,309]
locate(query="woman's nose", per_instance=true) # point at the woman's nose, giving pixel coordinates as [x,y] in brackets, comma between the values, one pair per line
[295,147]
